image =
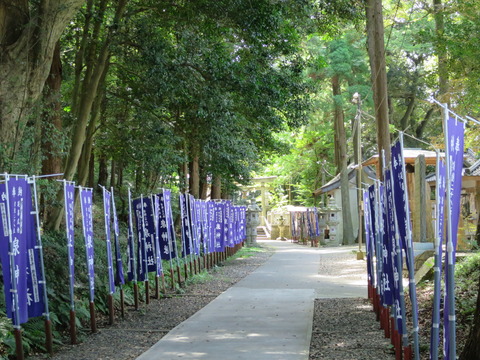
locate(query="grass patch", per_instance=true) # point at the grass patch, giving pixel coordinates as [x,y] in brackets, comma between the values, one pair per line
[200,278]
[247,252]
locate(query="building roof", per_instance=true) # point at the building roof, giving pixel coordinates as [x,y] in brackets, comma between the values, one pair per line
[409,155]
[334,183]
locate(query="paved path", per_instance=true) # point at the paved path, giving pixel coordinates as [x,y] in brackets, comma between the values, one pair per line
[267,315]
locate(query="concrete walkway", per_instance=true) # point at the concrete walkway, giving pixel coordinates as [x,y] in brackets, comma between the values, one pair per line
[267,315]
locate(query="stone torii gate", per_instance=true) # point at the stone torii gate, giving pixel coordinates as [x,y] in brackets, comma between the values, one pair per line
[263,184]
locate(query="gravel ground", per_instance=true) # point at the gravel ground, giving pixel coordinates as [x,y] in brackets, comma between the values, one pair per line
[346,329]
[342,328]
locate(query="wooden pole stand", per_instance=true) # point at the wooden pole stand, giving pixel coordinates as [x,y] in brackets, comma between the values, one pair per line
[93,321]
[18,344]
[135,295]
[122,303]
[48,337]
[73,328]
[147,293]
[111,310]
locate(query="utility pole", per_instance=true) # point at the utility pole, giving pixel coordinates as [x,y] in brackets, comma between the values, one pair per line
[358,160]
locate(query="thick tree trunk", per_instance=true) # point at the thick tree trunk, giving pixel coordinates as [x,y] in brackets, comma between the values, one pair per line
[216,187]
[348,237]
[376,54]
[52,120]
[28,36]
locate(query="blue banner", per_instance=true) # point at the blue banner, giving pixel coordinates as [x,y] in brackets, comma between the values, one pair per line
[131,265]
[387,241]
[119,277]
[167,247]
[219,227]
[455,144]
[21,243]
[187,247]
[367,222]
[69,197]
[371,241]
[86,198]
[108,238]
[211,226]
[205,230]
[400,196]
[157,249]
[194,230]
[146,237]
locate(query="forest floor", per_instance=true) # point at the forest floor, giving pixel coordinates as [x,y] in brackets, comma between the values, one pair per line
[342,328]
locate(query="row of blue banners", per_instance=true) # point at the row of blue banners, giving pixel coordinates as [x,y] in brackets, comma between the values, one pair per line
[207,227]
[304,223]
[389,239]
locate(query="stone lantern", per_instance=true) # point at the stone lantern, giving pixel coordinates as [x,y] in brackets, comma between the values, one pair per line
[252,220]
[322,224]
[332,221]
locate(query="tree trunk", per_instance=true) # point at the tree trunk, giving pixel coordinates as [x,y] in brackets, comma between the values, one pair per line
[348,237]
[472,346]
[102,171]
[28,36]
[120,175]
[96,69]
[51,127]
[203,186]
[376,54]
[195,177]
[91,171]
[216,187]
[112,174]
[52,120]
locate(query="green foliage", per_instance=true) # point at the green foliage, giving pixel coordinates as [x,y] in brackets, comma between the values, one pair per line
[467,275]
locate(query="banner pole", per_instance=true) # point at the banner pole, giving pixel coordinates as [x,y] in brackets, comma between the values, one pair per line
[153,201]
[106,210]
[184,237]
[398,253]
[169,240]
[72,323]
[410,260]
[93,322]
[118,257]
[132,242]
[174,244]
[48,322]
[435,331]
[450,269]
[144,240]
